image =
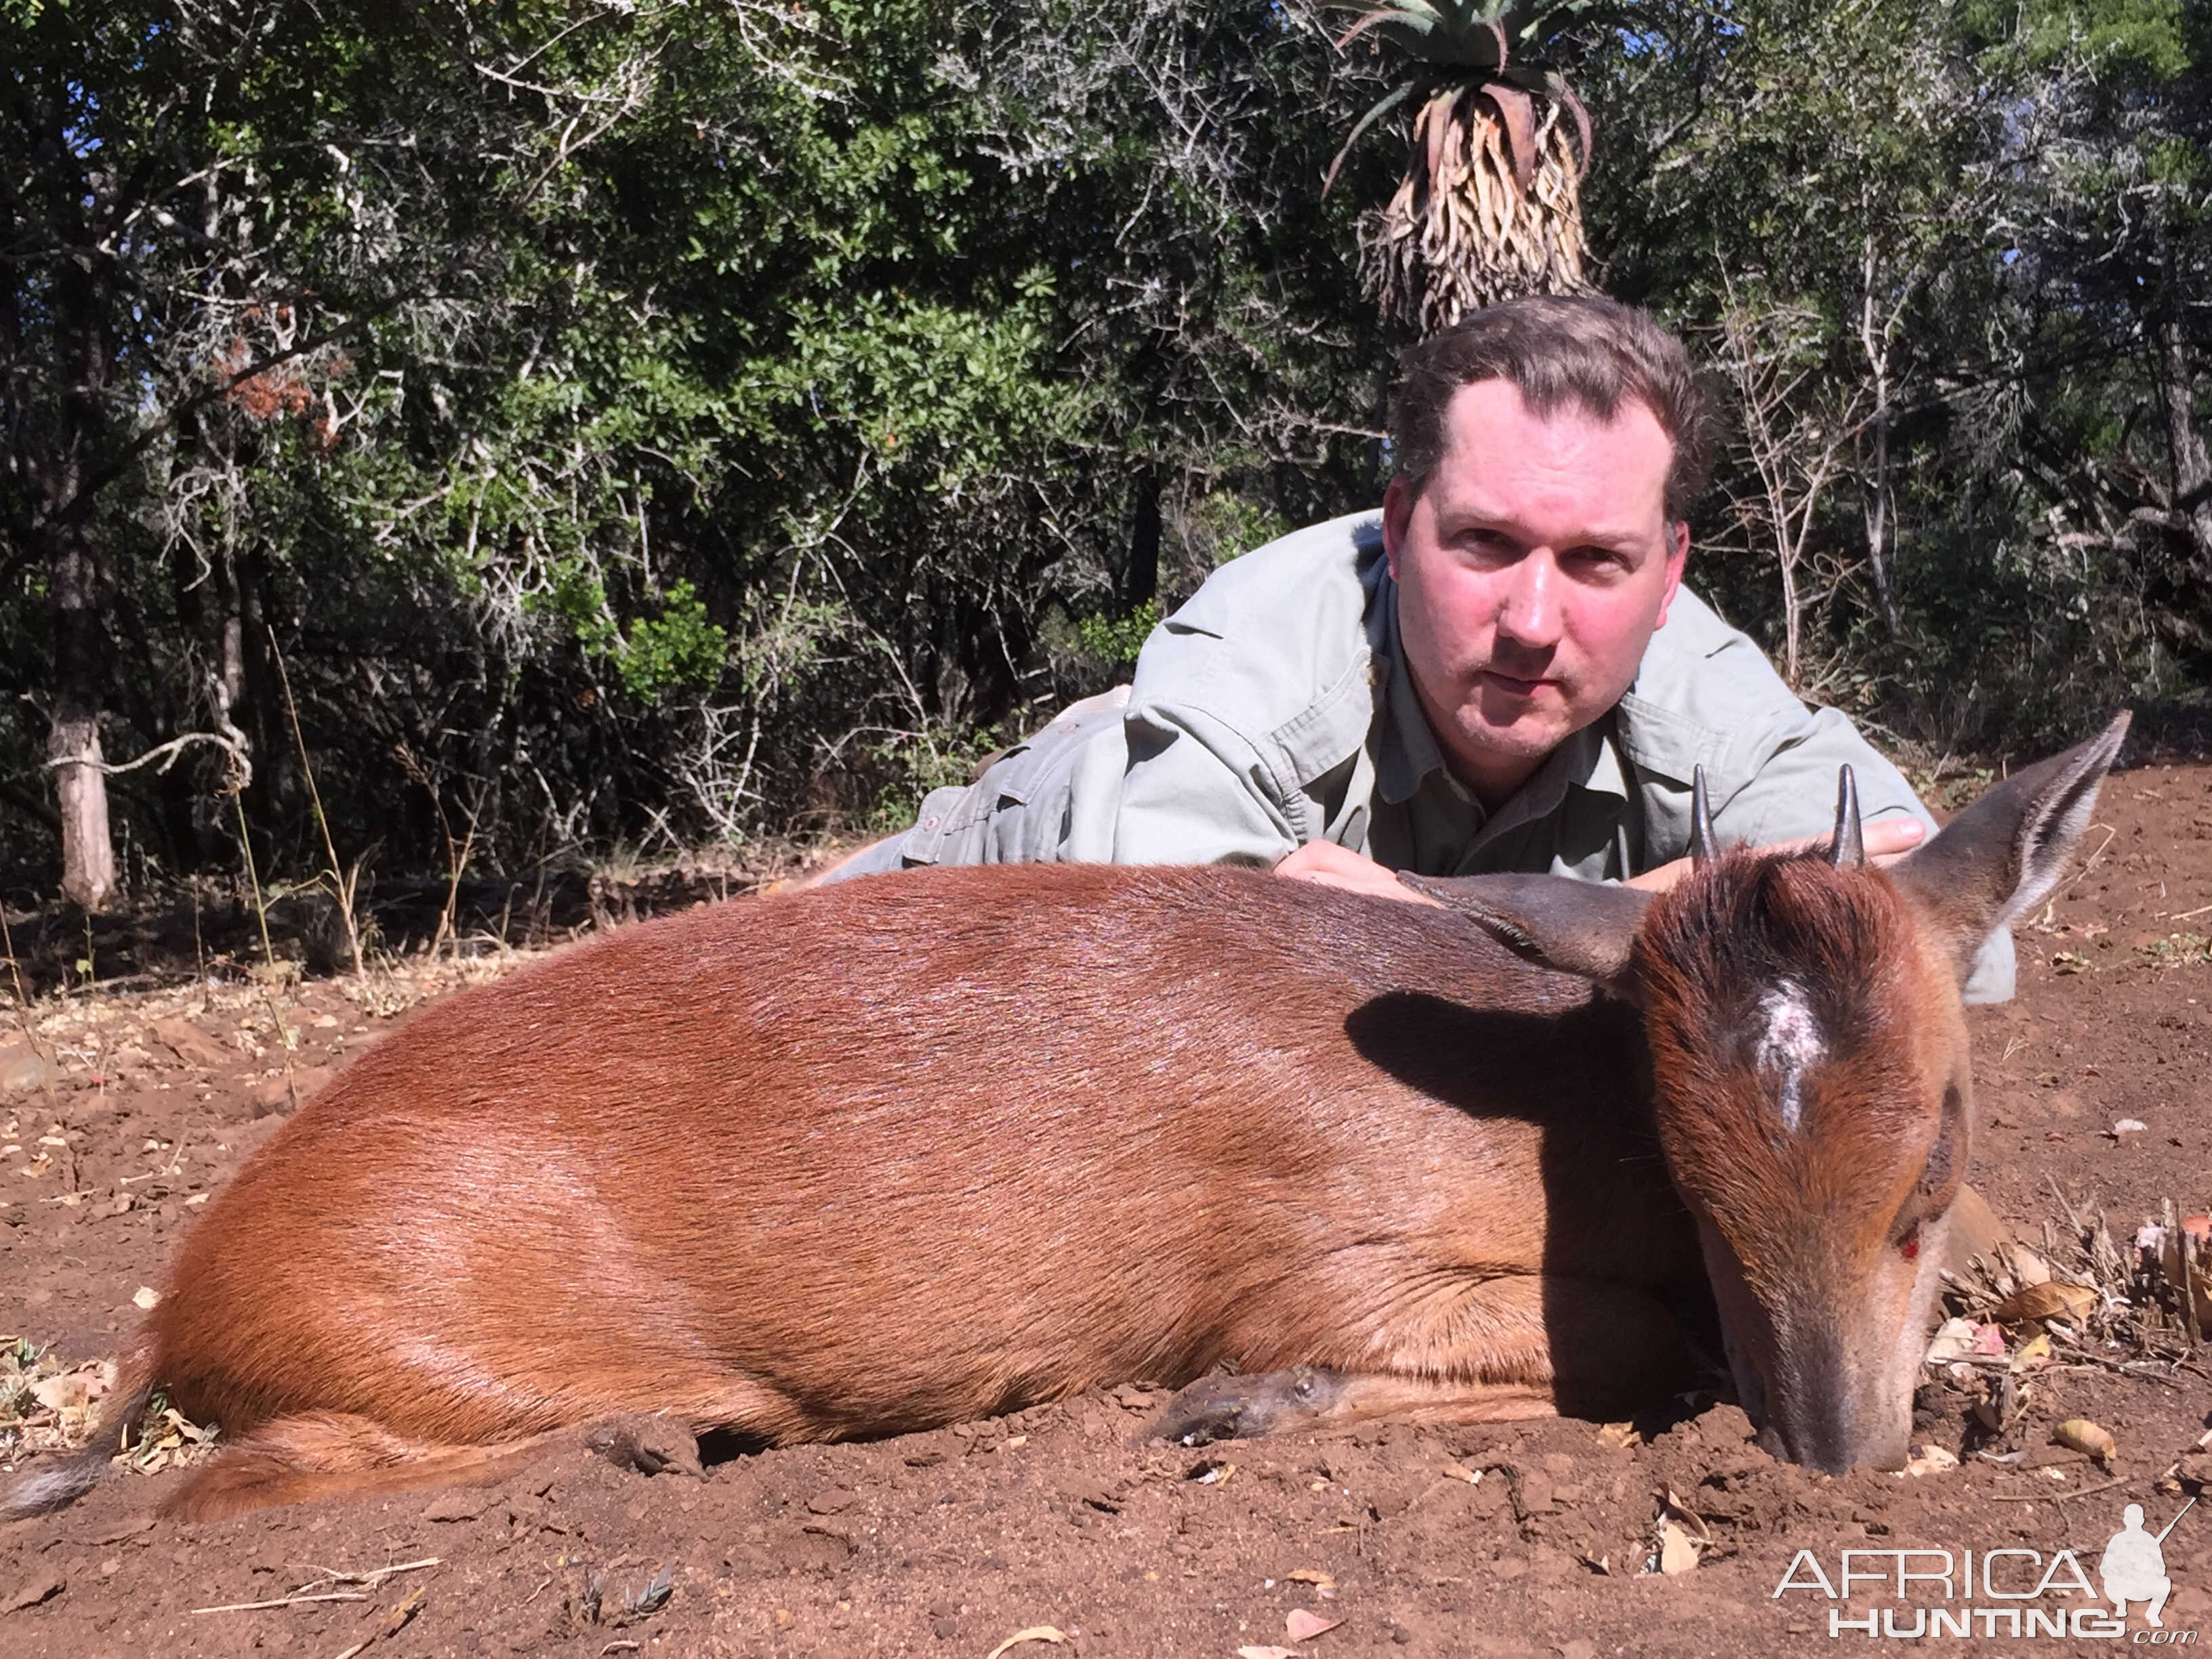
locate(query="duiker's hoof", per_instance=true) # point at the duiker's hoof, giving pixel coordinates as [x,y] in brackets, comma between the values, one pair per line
[649,1445]
[1220,1407]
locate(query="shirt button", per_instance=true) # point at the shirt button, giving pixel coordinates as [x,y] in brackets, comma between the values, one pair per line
[929,823]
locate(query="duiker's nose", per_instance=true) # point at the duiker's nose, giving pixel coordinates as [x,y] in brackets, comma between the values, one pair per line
[1836,1432]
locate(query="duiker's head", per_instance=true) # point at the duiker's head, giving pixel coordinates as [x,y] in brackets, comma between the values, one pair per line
[1813,1095]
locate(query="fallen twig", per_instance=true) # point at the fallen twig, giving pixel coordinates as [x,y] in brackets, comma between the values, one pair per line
[2124,1367]
[374,1575]
[2053,1495]
[287,1602]
[314,1591]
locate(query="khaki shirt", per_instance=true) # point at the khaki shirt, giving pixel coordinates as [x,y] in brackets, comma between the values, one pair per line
[1274,709]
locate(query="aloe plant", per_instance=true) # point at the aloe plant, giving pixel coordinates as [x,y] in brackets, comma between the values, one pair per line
[1489,205]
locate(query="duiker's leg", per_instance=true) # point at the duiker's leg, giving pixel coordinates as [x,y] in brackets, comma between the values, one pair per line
[333,1454]
[1507,1349]
[1309,1396]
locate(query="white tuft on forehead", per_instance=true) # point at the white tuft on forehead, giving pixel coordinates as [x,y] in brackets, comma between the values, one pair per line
[1790,1046]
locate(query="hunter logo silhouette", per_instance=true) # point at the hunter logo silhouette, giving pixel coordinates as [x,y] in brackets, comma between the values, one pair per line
[2134,1566]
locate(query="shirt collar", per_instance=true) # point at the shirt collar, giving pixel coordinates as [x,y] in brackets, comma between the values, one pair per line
[1406,751]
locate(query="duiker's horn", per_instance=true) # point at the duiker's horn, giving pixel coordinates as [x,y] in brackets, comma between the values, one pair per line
[1850,850]
[1702,847]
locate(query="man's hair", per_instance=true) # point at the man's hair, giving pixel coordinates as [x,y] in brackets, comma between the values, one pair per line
[1561,351]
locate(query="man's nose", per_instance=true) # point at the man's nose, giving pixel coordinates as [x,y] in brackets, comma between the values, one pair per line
[1531,614]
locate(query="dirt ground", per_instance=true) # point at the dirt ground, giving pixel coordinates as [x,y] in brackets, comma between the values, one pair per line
[1519,1540]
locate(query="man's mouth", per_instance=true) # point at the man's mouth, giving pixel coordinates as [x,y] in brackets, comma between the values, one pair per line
[1512,685]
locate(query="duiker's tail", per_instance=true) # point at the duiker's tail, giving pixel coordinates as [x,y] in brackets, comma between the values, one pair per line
[57,1482]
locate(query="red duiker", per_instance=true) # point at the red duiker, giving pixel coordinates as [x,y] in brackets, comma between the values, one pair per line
[916,1149]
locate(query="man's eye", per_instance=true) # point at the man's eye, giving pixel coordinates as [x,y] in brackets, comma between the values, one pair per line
[1600,560]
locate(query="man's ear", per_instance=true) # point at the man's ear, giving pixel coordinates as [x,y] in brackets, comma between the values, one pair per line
[1397,513]
[1677,555]
[2001,857]
[1580,927]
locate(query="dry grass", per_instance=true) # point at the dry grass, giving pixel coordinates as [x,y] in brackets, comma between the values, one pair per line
[2083,1301]
[44,1406]
[47,1406]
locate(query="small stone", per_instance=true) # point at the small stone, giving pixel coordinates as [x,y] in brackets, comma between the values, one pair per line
[945,1629]
[43,1588]
[459,1505]
[1974,1231]
[835,1501]
[22,1067]
[192,1045]
[1550,1564]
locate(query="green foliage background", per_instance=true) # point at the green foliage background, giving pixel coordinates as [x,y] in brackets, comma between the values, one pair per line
[649,424]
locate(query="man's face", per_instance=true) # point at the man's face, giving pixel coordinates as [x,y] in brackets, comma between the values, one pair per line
[1533,566]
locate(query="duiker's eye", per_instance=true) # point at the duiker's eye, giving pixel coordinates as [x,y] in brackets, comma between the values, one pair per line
[1909,1246]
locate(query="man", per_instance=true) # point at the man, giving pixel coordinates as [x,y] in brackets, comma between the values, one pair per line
[1500,671]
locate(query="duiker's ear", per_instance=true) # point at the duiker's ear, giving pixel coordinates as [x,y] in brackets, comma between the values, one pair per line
[1581,927]
[2001,857]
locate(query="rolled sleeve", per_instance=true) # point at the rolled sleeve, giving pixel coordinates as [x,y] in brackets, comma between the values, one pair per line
[1196,791]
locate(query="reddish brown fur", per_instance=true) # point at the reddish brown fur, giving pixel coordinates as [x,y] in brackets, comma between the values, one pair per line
[1705,952]
[1807,1228]
[914,1150]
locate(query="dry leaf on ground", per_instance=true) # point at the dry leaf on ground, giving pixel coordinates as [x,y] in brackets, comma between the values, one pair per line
[1682,1532]
[1305,1626]
[2080,1434]
[2052,1299]
[1930,1460]
[1034,1633]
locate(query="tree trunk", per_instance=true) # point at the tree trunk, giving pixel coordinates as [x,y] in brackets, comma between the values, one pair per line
[55,466]
[1881,500]
[2192,469]
[87,849]
[80,661]
[1140,577]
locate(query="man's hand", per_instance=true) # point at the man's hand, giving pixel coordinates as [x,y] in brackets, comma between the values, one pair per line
[1332,865]
[1888,840]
